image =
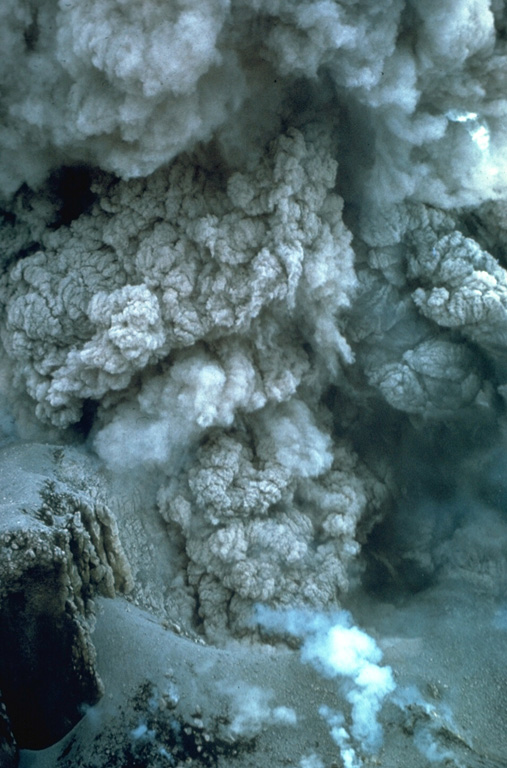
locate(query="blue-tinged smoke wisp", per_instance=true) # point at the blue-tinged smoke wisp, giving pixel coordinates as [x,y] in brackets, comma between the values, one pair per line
[339,650]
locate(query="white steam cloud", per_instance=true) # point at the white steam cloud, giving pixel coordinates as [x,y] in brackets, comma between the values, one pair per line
[253,710]
[338,649]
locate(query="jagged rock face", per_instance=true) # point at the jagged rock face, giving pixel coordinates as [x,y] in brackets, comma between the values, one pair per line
[59,547]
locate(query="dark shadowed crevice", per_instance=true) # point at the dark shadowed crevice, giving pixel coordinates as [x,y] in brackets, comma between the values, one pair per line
[32,32]
[88,414]
[70,186]
[43,676]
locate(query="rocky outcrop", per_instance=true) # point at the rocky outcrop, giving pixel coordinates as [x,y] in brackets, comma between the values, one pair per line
[59,547]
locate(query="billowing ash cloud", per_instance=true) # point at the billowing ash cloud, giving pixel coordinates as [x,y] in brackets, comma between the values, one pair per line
[417,87]
[250,248]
